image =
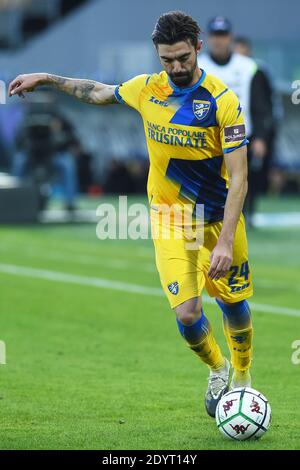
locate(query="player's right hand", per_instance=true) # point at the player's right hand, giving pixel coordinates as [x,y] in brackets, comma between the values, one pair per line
[25,83]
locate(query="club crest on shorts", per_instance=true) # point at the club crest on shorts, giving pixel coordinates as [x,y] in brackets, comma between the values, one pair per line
[173,288]
[201,109]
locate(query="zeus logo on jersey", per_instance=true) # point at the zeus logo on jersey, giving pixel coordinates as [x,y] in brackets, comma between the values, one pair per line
[156,101]
[201,108]
[173,288]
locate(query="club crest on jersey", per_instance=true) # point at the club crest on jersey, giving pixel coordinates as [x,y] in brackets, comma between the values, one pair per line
[173,288]
[201,109]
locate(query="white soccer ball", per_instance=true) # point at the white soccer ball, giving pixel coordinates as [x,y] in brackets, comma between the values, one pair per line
[243,413]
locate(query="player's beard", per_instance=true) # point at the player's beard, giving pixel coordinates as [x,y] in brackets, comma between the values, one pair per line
[183,79]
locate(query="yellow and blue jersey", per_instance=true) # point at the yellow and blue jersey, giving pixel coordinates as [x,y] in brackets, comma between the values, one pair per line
[188,131]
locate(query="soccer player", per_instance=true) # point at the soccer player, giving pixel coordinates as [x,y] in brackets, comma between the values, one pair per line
[195,134]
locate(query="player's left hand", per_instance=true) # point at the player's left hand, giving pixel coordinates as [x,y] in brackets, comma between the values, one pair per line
[220,260]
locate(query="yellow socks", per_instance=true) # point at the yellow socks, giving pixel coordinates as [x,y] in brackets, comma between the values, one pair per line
[238,330]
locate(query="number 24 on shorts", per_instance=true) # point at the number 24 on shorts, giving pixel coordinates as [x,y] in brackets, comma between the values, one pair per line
[242,271]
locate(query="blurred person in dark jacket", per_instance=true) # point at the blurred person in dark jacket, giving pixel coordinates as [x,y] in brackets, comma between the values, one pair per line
[83,160]
[266,111]
[242,74]
[119,179]
[46,139]
[63,159]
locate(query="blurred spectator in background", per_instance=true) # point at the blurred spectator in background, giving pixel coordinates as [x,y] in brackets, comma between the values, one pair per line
[272,102]
[139,168]
[242,46]
[83,161]
[45,141]
[254,90]
[11,118]
[63,159]
[128,176]
[118,178]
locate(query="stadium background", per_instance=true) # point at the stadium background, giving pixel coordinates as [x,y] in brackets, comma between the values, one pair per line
[93,356]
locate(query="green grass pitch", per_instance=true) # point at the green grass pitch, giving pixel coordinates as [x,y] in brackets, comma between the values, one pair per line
[95,368]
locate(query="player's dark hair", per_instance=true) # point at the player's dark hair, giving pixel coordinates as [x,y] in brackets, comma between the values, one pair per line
[175,26]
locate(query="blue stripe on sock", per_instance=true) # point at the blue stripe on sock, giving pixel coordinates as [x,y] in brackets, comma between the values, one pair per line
[194,333]
[237,314]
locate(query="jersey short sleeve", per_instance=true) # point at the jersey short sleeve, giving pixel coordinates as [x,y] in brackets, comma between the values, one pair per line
[231,122]
[129,92]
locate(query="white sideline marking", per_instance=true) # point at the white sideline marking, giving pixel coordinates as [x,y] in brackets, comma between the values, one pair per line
[125,264]
[75,279]
[123,286]
[112,263]
[280,219]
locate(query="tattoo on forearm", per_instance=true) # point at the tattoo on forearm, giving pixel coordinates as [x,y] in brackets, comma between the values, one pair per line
[82,89]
